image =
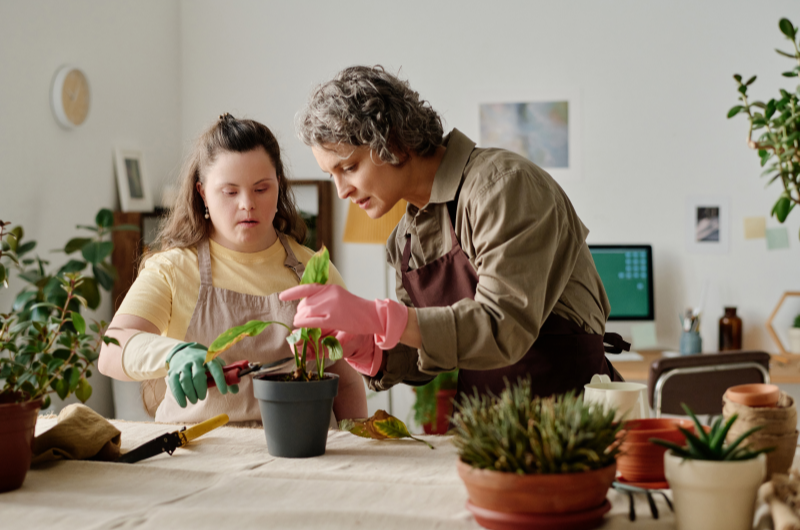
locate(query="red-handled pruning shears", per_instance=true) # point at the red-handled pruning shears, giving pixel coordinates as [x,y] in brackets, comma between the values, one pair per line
[235,371]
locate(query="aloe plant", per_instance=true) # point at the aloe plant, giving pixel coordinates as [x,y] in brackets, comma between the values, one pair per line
[317,270]
[518,433]
[711,445]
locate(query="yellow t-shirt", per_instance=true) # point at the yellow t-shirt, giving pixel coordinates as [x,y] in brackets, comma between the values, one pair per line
[166,290]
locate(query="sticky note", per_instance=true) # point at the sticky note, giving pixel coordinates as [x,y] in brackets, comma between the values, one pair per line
[644,336]
[777,238]
[755,227]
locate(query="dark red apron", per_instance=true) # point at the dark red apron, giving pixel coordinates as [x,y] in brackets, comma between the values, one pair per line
[564,357]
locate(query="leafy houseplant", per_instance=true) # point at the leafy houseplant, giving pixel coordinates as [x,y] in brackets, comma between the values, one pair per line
[521,454]
[295,408]
[714,484]
[794,336]
[433,405]
[779,144]
[45,344]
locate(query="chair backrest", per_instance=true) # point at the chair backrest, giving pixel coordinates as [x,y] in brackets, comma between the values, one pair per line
[701,380]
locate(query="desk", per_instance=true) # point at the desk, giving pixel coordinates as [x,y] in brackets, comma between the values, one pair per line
[781,369]
[227,479]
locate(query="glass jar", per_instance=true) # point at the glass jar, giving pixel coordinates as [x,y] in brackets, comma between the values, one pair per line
[730,331]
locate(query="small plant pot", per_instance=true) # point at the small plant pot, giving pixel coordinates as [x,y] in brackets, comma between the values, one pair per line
[711,495]
[444,410]
[639,459]
[754,395]
[296,414]
[557,493]
[794,340]
[17,423]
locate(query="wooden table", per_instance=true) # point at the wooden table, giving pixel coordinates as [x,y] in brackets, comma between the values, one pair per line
[782,369]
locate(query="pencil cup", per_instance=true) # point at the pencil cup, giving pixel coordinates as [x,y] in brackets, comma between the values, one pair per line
[691,343]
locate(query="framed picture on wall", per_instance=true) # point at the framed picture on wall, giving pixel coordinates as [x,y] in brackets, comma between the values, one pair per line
[132,183]
[542,126]
[707,229]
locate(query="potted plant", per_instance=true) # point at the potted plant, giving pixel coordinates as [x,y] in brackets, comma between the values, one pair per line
[45,344]
[640,461]
[532,461]
[777,145]
[295,408]
[794,336]
[714,484]
[433,406]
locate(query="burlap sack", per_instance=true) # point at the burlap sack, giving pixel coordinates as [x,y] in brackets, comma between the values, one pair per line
[779,430]
[80,434]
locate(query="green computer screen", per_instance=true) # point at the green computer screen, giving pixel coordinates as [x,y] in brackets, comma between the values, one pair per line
[627,275]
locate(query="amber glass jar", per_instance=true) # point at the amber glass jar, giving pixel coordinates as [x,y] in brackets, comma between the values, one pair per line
[730,331]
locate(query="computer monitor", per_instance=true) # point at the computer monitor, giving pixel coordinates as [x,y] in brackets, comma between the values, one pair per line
[627,275]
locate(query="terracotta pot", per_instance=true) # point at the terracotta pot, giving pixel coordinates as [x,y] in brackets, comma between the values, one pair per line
[550,494]
[754,395]
[641,460]
[444,409]
[17,423]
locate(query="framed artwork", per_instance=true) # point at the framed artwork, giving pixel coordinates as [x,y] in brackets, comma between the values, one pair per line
[707,224]
[132,183]
[542,127]
[314,199]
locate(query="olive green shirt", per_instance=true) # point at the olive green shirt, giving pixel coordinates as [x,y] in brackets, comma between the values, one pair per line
[528,247]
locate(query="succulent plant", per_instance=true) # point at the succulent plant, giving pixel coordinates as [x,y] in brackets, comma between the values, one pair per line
[522,434]
[711,445]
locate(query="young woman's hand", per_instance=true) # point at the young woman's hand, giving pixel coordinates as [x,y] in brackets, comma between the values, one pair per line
[333,307]
[186,375]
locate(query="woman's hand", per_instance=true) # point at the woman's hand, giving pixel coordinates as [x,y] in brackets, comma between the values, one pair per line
[186,375]
[333,307]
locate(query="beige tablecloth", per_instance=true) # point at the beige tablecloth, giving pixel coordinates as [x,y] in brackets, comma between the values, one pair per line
[227,479]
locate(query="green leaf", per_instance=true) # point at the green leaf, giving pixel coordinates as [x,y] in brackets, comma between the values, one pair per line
[87,227]
[74,377]
[785,54]
[317,268]
[380,426]
[335,350]
[61,386]
[737,77]
[789,74]
[103,278]
[26,247]
[750,81]
[734,111]
[96,251]
[733,445]
[234,335]
[104,218]
[782,208]
[89,291]
[54,364]
[46,403]
[84,390]
[73,265]
[295,337]
[75,244]
[78,322]
[787,28]
[2,273]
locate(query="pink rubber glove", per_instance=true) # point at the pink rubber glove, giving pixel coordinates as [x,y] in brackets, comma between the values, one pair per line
[361,352]
[332,307]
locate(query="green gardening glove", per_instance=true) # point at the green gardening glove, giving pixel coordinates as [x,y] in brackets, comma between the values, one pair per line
[186,375]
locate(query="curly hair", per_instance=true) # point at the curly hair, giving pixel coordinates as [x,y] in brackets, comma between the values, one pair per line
[185,225]
[365,105]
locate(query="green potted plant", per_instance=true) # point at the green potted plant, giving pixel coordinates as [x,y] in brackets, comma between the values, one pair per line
[714,484]
[778,145]
[794,336]
[433,405]
[527,460]
[46,346]
[295,408]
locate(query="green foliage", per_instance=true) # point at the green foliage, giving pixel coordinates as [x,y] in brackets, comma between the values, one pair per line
[518,433]
[381,426]
[711,445]
[45,343]
[797,321]
[778,145]
[316,272]
[425,409]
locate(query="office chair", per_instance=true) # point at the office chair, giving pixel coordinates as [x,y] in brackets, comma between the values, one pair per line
[701,380]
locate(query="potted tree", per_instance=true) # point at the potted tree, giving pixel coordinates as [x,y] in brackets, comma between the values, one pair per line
[295,416]
[46,346]
[714,484]
[534,461]
[433,406]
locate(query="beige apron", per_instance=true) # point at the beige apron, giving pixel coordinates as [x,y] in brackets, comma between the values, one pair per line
[218,310]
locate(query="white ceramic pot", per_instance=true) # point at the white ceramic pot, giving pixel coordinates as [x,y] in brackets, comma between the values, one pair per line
[714,495]
[794,340]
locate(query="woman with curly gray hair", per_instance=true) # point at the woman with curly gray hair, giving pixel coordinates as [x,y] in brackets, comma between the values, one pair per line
[493,272]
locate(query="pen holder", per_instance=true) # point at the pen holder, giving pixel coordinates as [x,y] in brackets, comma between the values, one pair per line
[691,343]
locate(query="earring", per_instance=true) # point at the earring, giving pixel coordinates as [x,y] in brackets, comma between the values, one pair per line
[207,216]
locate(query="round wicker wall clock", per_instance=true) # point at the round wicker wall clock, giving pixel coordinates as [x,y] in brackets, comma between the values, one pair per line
[70,96]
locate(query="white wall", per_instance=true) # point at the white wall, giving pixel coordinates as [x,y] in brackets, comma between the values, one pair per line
[655,81]
[52,179]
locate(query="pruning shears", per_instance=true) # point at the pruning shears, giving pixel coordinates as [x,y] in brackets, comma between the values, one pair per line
[235,371]
[168,442]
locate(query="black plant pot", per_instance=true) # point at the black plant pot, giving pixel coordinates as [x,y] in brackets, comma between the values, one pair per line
[296,414]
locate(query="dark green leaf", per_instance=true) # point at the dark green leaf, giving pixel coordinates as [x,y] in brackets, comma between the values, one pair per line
[96,251]
[78,322]
[31,277]
[103,278]
[104,218]
[750,81]
[110,340]
[89,291]
[785,54]
[782,208]
[789,74]
[26,247]
[2,273]
[737,77]
[742,89]
[770,109]
[87,227]
[61,386]
[54,364]
[46,403]
[335,351]
[73,265]
[75,244]
[84,390]
[734,111]
[787,28]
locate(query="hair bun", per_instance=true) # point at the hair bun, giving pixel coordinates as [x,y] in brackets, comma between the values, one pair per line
[226,116]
